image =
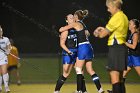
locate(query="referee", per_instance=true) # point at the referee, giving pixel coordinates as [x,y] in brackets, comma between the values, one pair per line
[116,29]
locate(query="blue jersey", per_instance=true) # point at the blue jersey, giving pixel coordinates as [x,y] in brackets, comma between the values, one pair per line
[85,51]
[71,44]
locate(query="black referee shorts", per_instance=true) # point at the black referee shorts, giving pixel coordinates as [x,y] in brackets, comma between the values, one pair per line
[117,58]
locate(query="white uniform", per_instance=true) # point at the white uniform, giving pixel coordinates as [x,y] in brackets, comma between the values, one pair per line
[4,41]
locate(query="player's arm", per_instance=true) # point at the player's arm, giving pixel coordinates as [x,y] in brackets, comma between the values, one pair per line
[65,28]
[87,33]
[101,32]
[63,38]
[111,26]
[8,47]
[135,41]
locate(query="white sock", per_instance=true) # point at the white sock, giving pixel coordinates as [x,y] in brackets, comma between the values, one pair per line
[0,82]
[6,79]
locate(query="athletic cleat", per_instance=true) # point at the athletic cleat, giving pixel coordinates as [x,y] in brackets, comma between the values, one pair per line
[109,91]
[56,91]
[18,82]
[7,90]
[79,92]
[85,92]
[101,91]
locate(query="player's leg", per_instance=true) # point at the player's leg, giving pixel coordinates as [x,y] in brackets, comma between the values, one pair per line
[94,76]
[136,61]
[67,66]
[66,71]
[115,80]
[78,68]
[84,90]
[14,71]
[83,52]
[18,77]
[118,84]
[137,68]
[89,56]
[5,76]
[126,72]
[0,80]
[130,64]
[122,82]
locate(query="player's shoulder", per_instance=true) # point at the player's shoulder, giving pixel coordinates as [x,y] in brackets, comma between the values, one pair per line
[5,38]
[14,47]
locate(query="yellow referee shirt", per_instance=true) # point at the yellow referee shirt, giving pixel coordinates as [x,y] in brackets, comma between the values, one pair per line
[12,61]
[118,27]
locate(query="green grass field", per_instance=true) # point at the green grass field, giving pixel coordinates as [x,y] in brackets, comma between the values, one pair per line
[39,75]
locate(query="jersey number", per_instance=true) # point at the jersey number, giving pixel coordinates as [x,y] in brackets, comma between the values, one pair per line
[75,40]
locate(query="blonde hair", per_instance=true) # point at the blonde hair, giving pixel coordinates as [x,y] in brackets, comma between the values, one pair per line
[116,3]
[81,14]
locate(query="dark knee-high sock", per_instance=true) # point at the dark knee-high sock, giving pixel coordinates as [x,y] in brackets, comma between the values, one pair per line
[79,82]
[116,88]
[124,79]
[95,78]
[60,82]
[83,84]
[123,87]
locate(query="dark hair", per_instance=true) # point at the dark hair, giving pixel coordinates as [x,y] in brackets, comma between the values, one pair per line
[81,14]
[137,23]
[11,41]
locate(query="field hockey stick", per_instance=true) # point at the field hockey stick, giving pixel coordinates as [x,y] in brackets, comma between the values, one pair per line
[31,65]
[9,53]
[2,50]
[14,56]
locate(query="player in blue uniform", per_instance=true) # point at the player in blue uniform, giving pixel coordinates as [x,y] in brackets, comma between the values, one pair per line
[133,44]
[68,41]
[85,51]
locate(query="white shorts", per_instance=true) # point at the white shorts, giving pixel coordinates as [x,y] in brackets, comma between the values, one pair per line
[4,60]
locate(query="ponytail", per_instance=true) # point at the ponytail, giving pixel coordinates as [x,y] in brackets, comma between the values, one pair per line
[85,13]
[81,14]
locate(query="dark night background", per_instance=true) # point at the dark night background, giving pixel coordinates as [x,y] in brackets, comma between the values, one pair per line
[33,24]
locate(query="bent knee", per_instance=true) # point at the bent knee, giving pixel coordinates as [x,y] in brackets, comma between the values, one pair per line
[78,70]
[65,75]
